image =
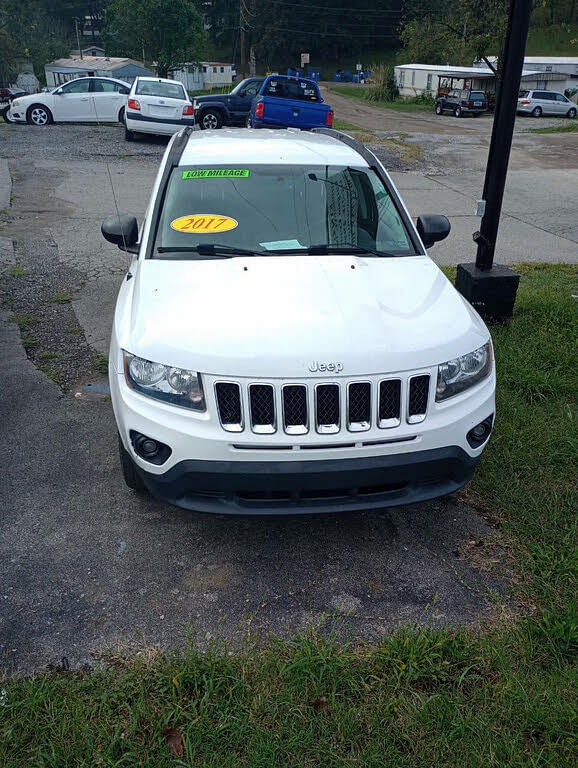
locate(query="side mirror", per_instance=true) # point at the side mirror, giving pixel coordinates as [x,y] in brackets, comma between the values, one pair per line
[432,228]
[122,230]
[242,92]
[58,92]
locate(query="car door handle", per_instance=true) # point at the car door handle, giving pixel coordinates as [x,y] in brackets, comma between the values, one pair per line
[84,98]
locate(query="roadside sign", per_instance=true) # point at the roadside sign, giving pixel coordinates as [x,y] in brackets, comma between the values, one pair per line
[304,59]
[358,67]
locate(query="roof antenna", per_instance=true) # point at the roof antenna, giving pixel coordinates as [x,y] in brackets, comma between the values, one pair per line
[93,82]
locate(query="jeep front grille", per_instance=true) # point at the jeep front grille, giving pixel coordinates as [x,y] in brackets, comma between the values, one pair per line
[295,417]
[418,397]
[262,407]
[229,405]
[326,408]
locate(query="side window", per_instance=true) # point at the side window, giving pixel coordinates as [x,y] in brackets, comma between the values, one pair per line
[106,86]
[559,97]
[76,86]
[252,88]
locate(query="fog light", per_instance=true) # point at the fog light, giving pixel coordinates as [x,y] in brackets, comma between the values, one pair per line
[149,449]
[480,433]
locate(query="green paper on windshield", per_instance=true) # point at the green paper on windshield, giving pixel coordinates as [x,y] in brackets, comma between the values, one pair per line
[217,173]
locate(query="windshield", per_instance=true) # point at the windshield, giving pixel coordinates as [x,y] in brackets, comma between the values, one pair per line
[158,88]
[279,208]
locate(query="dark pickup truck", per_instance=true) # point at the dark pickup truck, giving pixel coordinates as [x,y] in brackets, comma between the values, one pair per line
[232,108]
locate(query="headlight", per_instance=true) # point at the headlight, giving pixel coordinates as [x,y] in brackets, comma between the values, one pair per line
[463,372]
[163,382]
[14,103]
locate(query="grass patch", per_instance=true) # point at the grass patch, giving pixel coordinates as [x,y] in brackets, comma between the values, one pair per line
[567,128]
[23,321]
[47,356]
[29,342]
[343,125]
[62,297]
[360,92]
[56,376]
[420,698]
[101,363]
[17,270]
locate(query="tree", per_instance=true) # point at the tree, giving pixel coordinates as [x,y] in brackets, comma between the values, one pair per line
[167,33]
[28,30]
[455,31]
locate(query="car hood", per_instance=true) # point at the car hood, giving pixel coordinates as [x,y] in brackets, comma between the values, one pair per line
[274,316]
[35,98]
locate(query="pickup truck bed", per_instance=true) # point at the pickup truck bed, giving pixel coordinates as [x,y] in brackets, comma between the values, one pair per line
[289,102]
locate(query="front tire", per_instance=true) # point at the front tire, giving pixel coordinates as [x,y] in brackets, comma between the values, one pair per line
[129,135]
[537,112]
[5,115]
[439,109]
[571,113]
[129,471]
[210,120]
[121,115]
[458,112]
[38,114]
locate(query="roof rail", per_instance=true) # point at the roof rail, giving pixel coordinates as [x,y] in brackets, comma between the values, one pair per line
[358,146]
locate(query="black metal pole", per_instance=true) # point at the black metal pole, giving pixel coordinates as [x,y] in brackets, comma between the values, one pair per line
[502,131]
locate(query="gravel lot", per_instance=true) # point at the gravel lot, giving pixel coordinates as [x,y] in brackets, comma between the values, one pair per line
[84,563]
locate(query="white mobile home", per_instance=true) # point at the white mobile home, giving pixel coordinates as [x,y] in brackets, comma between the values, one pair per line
[206,75]
[433,79]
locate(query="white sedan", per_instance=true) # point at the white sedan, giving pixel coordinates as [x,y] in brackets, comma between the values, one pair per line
[85,100]
[156,105]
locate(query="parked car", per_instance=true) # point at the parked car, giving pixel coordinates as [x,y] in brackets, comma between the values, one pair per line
[538,103]
[157,106]
[289,102]
[216,110]
[282,342]
[462,101]
[7,96]
[84,100]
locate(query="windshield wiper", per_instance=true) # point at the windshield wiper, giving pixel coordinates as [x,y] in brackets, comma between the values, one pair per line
[210,249]
[325,249]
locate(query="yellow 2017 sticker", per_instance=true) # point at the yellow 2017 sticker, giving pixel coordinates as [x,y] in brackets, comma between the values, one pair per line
[204,223]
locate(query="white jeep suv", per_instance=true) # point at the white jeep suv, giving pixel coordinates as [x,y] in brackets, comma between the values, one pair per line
[282,342]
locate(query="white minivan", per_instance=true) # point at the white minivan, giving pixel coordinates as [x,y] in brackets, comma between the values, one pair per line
[282,342]
[157,106]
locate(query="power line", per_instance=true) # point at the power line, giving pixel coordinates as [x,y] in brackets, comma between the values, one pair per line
[336,9]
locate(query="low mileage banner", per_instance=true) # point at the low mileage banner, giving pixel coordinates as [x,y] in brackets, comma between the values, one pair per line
[217,173]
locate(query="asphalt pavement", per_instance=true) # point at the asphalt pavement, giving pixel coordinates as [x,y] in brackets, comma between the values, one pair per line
[85,564]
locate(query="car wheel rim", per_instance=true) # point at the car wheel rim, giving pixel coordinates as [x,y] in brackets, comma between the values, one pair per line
[210,121]
[39,117]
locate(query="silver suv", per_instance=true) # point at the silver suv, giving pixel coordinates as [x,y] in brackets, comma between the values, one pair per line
[538,103]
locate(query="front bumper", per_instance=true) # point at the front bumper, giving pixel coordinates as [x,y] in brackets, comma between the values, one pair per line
[141,124]
[212,470]
[17,115]
[309,487]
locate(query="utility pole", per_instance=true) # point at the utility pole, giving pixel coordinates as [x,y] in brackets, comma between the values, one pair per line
[242,37]
[78,38]
[492,288]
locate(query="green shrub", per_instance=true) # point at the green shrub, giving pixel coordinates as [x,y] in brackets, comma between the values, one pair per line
[383,86]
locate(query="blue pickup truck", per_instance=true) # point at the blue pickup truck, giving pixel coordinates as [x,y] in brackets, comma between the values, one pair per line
[289,102]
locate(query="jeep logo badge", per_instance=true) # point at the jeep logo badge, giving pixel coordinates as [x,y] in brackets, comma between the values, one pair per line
[317,367]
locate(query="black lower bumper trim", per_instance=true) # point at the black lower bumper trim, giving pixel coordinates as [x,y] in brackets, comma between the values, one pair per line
[143,119]
[310,487]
